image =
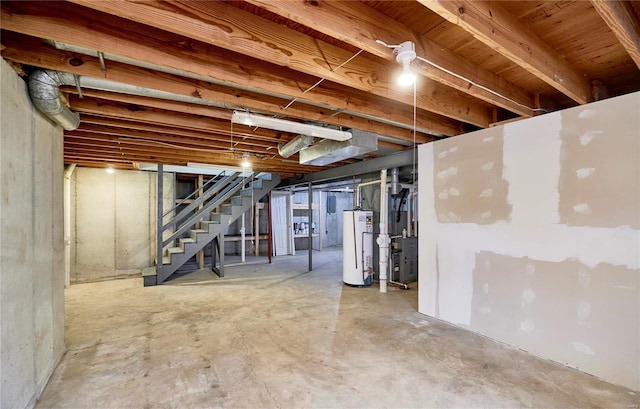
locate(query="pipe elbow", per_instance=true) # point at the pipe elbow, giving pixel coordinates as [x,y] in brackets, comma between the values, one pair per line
[44,90]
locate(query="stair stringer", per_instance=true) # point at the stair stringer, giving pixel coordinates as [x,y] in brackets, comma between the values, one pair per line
[217,225]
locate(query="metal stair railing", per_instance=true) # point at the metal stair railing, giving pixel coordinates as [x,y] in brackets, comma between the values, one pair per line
[213,190]
[202,188]
[232,184]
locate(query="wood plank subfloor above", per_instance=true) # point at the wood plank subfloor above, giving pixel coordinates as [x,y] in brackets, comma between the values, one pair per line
[277,336]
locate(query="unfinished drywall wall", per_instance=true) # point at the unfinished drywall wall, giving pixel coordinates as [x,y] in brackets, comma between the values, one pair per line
[31,246]
[554,268]
[114,222]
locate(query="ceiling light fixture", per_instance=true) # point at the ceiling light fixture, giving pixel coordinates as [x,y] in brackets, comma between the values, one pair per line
[245,160]
[249,119]
[405,53]
[110,169]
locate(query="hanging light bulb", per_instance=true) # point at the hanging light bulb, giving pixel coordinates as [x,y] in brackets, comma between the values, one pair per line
[405,53]
[110,169]
[245,160]
[407,77]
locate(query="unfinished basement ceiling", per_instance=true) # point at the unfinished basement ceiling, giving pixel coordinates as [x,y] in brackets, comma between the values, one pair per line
[517,57]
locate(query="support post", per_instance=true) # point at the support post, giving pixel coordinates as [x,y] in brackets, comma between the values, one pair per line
[221,253]
[242,240]
[159,222]
[217,247]
[269,231]
[200,256]
[310,230]
[256,228]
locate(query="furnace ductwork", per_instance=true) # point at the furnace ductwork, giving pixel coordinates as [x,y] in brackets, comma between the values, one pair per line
[44,89]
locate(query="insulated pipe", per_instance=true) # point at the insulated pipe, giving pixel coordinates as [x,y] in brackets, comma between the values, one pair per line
[383,238]
[44,90]
[295,145]
[68,171]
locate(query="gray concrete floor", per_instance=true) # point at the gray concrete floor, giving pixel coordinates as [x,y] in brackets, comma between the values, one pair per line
[275,336]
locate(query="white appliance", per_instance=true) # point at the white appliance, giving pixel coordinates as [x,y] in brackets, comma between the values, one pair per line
[357,247]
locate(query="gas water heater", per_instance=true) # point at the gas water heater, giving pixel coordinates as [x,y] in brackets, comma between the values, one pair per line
[357,247]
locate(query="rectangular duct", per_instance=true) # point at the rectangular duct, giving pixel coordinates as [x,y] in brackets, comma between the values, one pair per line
[329,151]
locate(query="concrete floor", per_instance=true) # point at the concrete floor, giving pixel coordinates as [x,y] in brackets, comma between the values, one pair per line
[274,336]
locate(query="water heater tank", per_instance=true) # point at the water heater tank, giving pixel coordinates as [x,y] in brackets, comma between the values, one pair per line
[357,247]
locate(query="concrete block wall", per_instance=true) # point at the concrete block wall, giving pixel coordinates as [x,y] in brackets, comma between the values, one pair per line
[530,234]
[31,245]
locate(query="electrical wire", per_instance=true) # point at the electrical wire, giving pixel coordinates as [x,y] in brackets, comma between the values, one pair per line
[480,86]
[467,80]
[322,79]
[415,114]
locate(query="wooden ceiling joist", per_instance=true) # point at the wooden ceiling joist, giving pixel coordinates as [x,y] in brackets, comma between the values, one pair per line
[97,31]
[623,22]
[225,26]
[47,57]
[173,141]
[177,69]
[359,25]
[491,24]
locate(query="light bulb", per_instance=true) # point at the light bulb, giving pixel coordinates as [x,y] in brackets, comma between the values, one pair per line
[407,77]
[245,161]
[110,169]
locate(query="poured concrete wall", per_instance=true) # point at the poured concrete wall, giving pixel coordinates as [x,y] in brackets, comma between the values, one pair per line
[31,246]
[529,235]
[114,222]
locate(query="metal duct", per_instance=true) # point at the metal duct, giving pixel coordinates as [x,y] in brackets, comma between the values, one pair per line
[294,145]
[395,182]
[45,95]
[330,151]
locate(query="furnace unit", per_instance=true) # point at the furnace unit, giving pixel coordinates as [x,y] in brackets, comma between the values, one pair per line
[404,259]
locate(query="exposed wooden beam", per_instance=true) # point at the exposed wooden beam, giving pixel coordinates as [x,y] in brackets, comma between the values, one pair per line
[28,50]
[168,139]
[225,26]
[491,24]
[214,112]
[117,149]
[167,105]
[623,22]
[176,119]
[359,25]
[107,155]
[141,125]
[94,30]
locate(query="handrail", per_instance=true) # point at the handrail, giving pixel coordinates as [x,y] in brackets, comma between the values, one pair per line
[181,202]
[231,188]
[187,211]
